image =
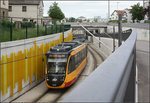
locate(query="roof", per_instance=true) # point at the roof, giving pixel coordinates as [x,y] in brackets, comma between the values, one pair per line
[24,2]
[122,12]
[81,17]
[128,9]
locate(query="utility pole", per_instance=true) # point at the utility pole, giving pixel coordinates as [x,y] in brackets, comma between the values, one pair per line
[119,30]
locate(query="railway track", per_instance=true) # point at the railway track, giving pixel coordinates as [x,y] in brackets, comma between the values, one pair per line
[56,95]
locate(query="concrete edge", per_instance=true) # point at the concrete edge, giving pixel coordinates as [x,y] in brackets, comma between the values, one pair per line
[99,51]
[136,86]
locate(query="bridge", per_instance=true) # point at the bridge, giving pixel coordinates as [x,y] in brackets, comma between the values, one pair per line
[110,74]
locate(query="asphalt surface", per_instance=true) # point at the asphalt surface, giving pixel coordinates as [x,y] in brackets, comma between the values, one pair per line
[142,60]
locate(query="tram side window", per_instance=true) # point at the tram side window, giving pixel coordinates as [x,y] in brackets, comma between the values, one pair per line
[82,54]
[71,65]
[86,50]
[76,61]
[79,58]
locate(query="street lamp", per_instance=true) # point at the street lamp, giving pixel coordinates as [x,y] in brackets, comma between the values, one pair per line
[117,5]
[108,9]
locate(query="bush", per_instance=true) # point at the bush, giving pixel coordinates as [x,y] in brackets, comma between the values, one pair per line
[147,21]
[28,24]
[124,21]
[5,23]
[113,21]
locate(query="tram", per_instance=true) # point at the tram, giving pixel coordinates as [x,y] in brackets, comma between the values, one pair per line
[65,62]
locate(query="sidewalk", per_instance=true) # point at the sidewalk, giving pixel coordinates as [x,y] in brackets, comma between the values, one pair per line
[142,60]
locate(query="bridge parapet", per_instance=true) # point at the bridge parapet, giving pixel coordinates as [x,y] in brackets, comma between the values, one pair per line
[113,80]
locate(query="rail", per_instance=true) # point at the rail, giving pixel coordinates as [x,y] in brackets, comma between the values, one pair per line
[113,80]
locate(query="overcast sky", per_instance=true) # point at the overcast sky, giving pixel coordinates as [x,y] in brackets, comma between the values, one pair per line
[89,9]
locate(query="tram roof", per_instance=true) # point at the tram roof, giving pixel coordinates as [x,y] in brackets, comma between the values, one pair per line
[65,46]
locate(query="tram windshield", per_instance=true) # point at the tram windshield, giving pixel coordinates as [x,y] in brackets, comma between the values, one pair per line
[56,66]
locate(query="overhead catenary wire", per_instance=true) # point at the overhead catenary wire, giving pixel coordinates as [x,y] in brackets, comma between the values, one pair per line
[96,38]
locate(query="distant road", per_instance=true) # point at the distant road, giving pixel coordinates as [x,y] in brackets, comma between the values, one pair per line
[133,25]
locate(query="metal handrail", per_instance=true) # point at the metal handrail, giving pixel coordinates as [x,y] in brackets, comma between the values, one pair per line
[111,80]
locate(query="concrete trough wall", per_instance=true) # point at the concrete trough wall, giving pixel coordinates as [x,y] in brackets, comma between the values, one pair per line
[23,62]
[142,34]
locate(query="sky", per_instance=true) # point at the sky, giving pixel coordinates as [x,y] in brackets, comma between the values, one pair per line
[89,9]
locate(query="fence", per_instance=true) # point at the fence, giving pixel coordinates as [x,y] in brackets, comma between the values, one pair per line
[16,28]
[113,80]
[26,66]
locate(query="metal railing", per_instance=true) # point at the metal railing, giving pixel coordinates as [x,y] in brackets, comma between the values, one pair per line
[113,80]
[16,29]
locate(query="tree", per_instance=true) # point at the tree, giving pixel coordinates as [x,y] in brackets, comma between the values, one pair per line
[72,19]
[55,13]
[137,12]
[95,20]
[88,20]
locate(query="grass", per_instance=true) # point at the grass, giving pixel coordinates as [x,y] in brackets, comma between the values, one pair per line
[148,21]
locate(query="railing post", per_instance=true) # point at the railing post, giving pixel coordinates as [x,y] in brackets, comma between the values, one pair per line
[26,31]
[11,30]
[45,29]
[56,28]
[37,30]
[114,39]
[52,29]
[99,39]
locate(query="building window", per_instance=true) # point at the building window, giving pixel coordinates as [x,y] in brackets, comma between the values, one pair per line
[24,8]
[10,8]
[3,2]
[3,15]
[25,20]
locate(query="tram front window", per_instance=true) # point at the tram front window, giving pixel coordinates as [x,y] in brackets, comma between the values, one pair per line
[56,66]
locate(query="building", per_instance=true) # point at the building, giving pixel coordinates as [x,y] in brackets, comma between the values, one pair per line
[81,19]
[126,15]
[98,18]
[26,10]
[114,15]
[3,9]
[146,3]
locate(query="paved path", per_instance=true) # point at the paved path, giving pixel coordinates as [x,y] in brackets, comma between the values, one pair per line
[142,59]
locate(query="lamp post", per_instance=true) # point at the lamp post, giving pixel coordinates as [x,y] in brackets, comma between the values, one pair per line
[108,9]
[117,5]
